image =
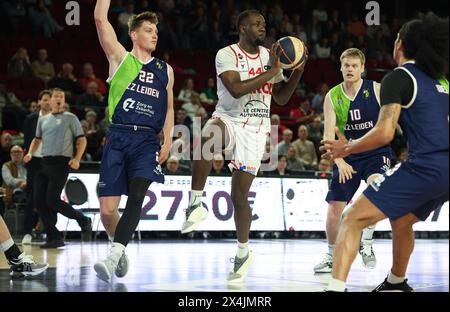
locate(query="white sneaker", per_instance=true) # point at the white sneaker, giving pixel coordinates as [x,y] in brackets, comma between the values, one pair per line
[194,215]
[326,265]
[241,266]
[369,260]
[122,266]
[27,239]
[105,269]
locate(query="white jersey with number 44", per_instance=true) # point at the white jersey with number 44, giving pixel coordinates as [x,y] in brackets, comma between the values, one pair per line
[252,110]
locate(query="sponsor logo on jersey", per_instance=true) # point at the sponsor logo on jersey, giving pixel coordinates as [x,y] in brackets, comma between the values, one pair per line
[138,107]
[366,93]
[441,89]
[159,65]
[255,109]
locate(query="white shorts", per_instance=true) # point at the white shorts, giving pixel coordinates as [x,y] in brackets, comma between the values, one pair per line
[246,144]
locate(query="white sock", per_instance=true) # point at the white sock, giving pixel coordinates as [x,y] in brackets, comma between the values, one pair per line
[195,197]
[394,279]
[111,238]
[331,249]
[7,244]
[336,285]
[367,234]
[116,251]
[242,251]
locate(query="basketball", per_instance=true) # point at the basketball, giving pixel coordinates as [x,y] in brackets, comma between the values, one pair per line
[292,53]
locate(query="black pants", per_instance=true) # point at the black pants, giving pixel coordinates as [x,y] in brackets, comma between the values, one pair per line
[49,185]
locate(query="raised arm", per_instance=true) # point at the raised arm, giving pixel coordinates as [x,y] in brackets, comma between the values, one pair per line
[114,51]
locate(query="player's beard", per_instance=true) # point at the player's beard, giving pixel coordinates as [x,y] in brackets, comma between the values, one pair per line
[259,41]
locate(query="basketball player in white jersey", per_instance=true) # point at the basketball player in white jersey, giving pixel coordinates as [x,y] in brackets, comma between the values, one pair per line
[248,75]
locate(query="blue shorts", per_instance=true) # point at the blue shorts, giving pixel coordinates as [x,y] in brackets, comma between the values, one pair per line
[411,187]
[130,152]
[364,168]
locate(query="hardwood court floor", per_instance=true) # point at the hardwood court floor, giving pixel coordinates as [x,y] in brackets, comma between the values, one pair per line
[283,265]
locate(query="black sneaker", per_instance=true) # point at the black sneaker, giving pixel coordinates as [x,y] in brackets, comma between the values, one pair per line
[25,266]
[401,287]
[86,229]
[53,243]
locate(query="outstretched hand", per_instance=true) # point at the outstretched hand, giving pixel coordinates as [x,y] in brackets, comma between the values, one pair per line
[335,148]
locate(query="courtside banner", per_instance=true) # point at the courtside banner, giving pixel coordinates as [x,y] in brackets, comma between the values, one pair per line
[278,204]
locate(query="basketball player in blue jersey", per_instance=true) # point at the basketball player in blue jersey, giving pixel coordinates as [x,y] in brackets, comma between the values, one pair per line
[415,95]
[141,105]
[353,107]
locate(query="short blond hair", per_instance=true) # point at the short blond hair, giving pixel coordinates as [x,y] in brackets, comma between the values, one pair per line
[354,52]
[136,21]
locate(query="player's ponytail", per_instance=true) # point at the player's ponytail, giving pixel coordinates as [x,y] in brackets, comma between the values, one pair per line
[426,41]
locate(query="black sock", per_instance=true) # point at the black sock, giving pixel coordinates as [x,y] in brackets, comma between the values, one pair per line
[132,214]
[13,253]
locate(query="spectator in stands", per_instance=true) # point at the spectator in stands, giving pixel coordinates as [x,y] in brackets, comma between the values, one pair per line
[355,26]
[66,81]
[122,23]
[302,114]
[324,168]
[293,162]
[12,112]
[176,68]
[216,36]
[6,143]
[305,148]
[209,94]
[301,33]
[275,121]
[198,28]
[194,107]
[42,68]
[34,107]
[104,123]
[88,76]
[91,118]
[314,30]
[186,90]
[14,177]
[283,146]
[320,13]
[92,144]
[19,65]
[117,7]
[173,166]
[218,166]
[182,119]
[315,132]
[317,101]
[92,98]
[42,20]
[270,153]
[281,169]
[336,47]
[271,37]
[322,48]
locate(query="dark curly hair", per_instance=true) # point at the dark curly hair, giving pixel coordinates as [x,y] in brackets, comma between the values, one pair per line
[426,41]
